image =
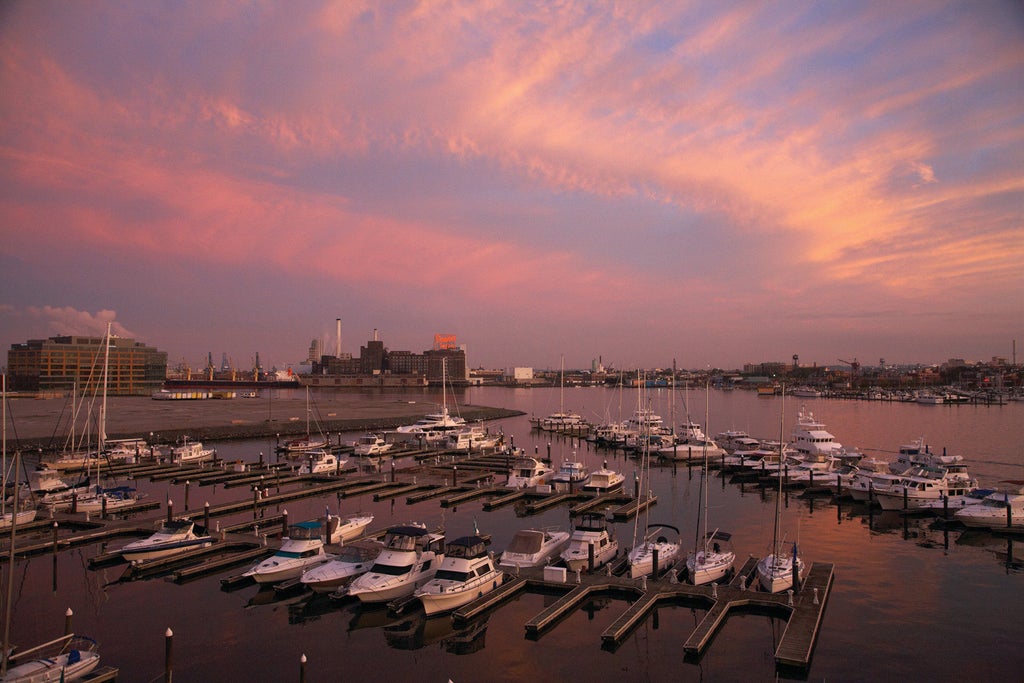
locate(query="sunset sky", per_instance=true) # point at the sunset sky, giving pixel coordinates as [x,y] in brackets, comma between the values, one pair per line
[716,183]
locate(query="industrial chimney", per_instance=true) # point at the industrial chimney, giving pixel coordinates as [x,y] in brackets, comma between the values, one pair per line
[338,354]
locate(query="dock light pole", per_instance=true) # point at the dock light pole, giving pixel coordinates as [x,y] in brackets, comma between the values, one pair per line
[302,668]
[187,483]
[67,621]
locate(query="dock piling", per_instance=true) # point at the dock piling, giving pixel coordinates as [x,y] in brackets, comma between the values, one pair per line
[168,651]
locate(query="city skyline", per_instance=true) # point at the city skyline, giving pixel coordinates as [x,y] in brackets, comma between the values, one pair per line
[648,182]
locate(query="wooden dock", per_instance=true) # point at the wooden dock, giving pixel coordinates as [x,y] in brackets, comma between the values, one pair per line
[804,611]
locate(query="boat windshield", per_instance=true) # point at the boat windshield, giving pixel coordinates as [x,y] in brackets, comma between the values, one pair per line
[449,575]
[526,543]
[390,570]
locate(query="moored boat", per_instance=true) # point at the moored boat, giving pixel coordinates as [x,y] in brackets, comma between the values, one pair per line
[301,549]
[353,560]
[410,558]
[533,548]
[527,473]
[173,537]
[591,537]
[467,572]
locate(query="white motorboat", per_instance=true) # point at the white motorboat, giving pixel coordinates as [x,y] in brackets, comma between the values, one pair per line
[691,443]
[571,474]
[410,558]
[302,549]
[467,572]
[533,548]
[370,445]
[77,657]
[712,561]
[191,452]
[173,537]
[527,473]
[999,509]
[590,537]
[604,480]
[473,439]
[811,439]
[320,461]
[641,556]
[344,529]
[925,484]
[353,560]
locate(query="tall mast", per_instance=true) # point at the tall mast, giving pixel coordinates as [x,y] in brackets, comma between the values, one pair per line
[102,436]
[778,498]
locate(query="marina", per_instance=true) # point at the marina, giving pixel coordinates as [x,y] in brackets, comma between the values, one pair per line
[530,616]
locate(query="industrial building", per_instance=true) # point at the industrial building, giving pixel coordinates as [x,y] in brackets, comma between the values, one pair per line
[376,360]
[59,365]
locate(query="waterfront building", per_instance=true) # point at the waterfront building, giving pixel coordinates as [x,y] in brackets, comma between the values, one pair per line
[60,364]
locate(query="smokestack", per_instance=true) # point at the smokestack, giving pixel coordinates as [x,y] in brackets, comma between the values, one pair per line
[338,354]
[375,334]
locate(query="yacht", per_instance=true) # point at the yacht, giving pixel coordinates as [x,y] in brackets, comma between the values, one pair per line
[527,473]
[533,548]
[302,549]
[604,480]
[998,510]
[590,536]
[190,452]
[320,461]
[371,444]
[691,444]
[343,529]
[472,439]
[925,484]
[353,560]
[467,572]
[173,537]
[570,475]
[410,558]
[811,439]
[434,427]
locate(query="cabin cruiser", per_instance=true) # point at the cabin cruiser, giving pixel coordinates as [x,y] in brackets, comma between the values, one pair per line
[301,549]
[371,444]
[173,537]
[570,475]
[410,558]
[343,529]
[604,480]
[472,439]
[191,451]
[433,428]
[690,444]
[467,572]
[923,485]
[712,561]
[998,510]
[527,473]
[107,499]
[533,548]
[591,534]
[320,461]
[353,560]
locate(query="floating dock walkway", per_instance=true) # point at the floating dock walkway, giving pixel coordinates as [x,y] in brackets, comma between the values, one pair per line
[803,610]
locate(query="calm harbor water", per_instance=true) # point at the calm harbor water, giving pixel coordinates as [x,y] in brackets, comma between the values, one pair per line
[910,602]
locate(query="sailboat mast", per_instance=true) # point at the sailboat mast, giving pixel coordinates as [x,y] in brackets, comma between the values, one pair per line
[102,436]
[778,498]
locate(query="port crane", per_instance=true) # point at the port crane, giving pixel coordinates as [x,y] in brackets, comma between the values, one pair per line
[854,369]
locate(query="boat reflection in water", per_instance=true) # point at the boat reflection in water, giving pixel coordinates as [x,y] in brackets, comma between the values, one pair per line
[419,631]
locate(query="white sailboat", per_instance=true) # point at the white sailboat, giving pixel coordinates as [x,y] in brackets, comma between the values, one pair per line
[712,556]
[780,569]
[297,447]
[14,516]
[654,544]
[106,499]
